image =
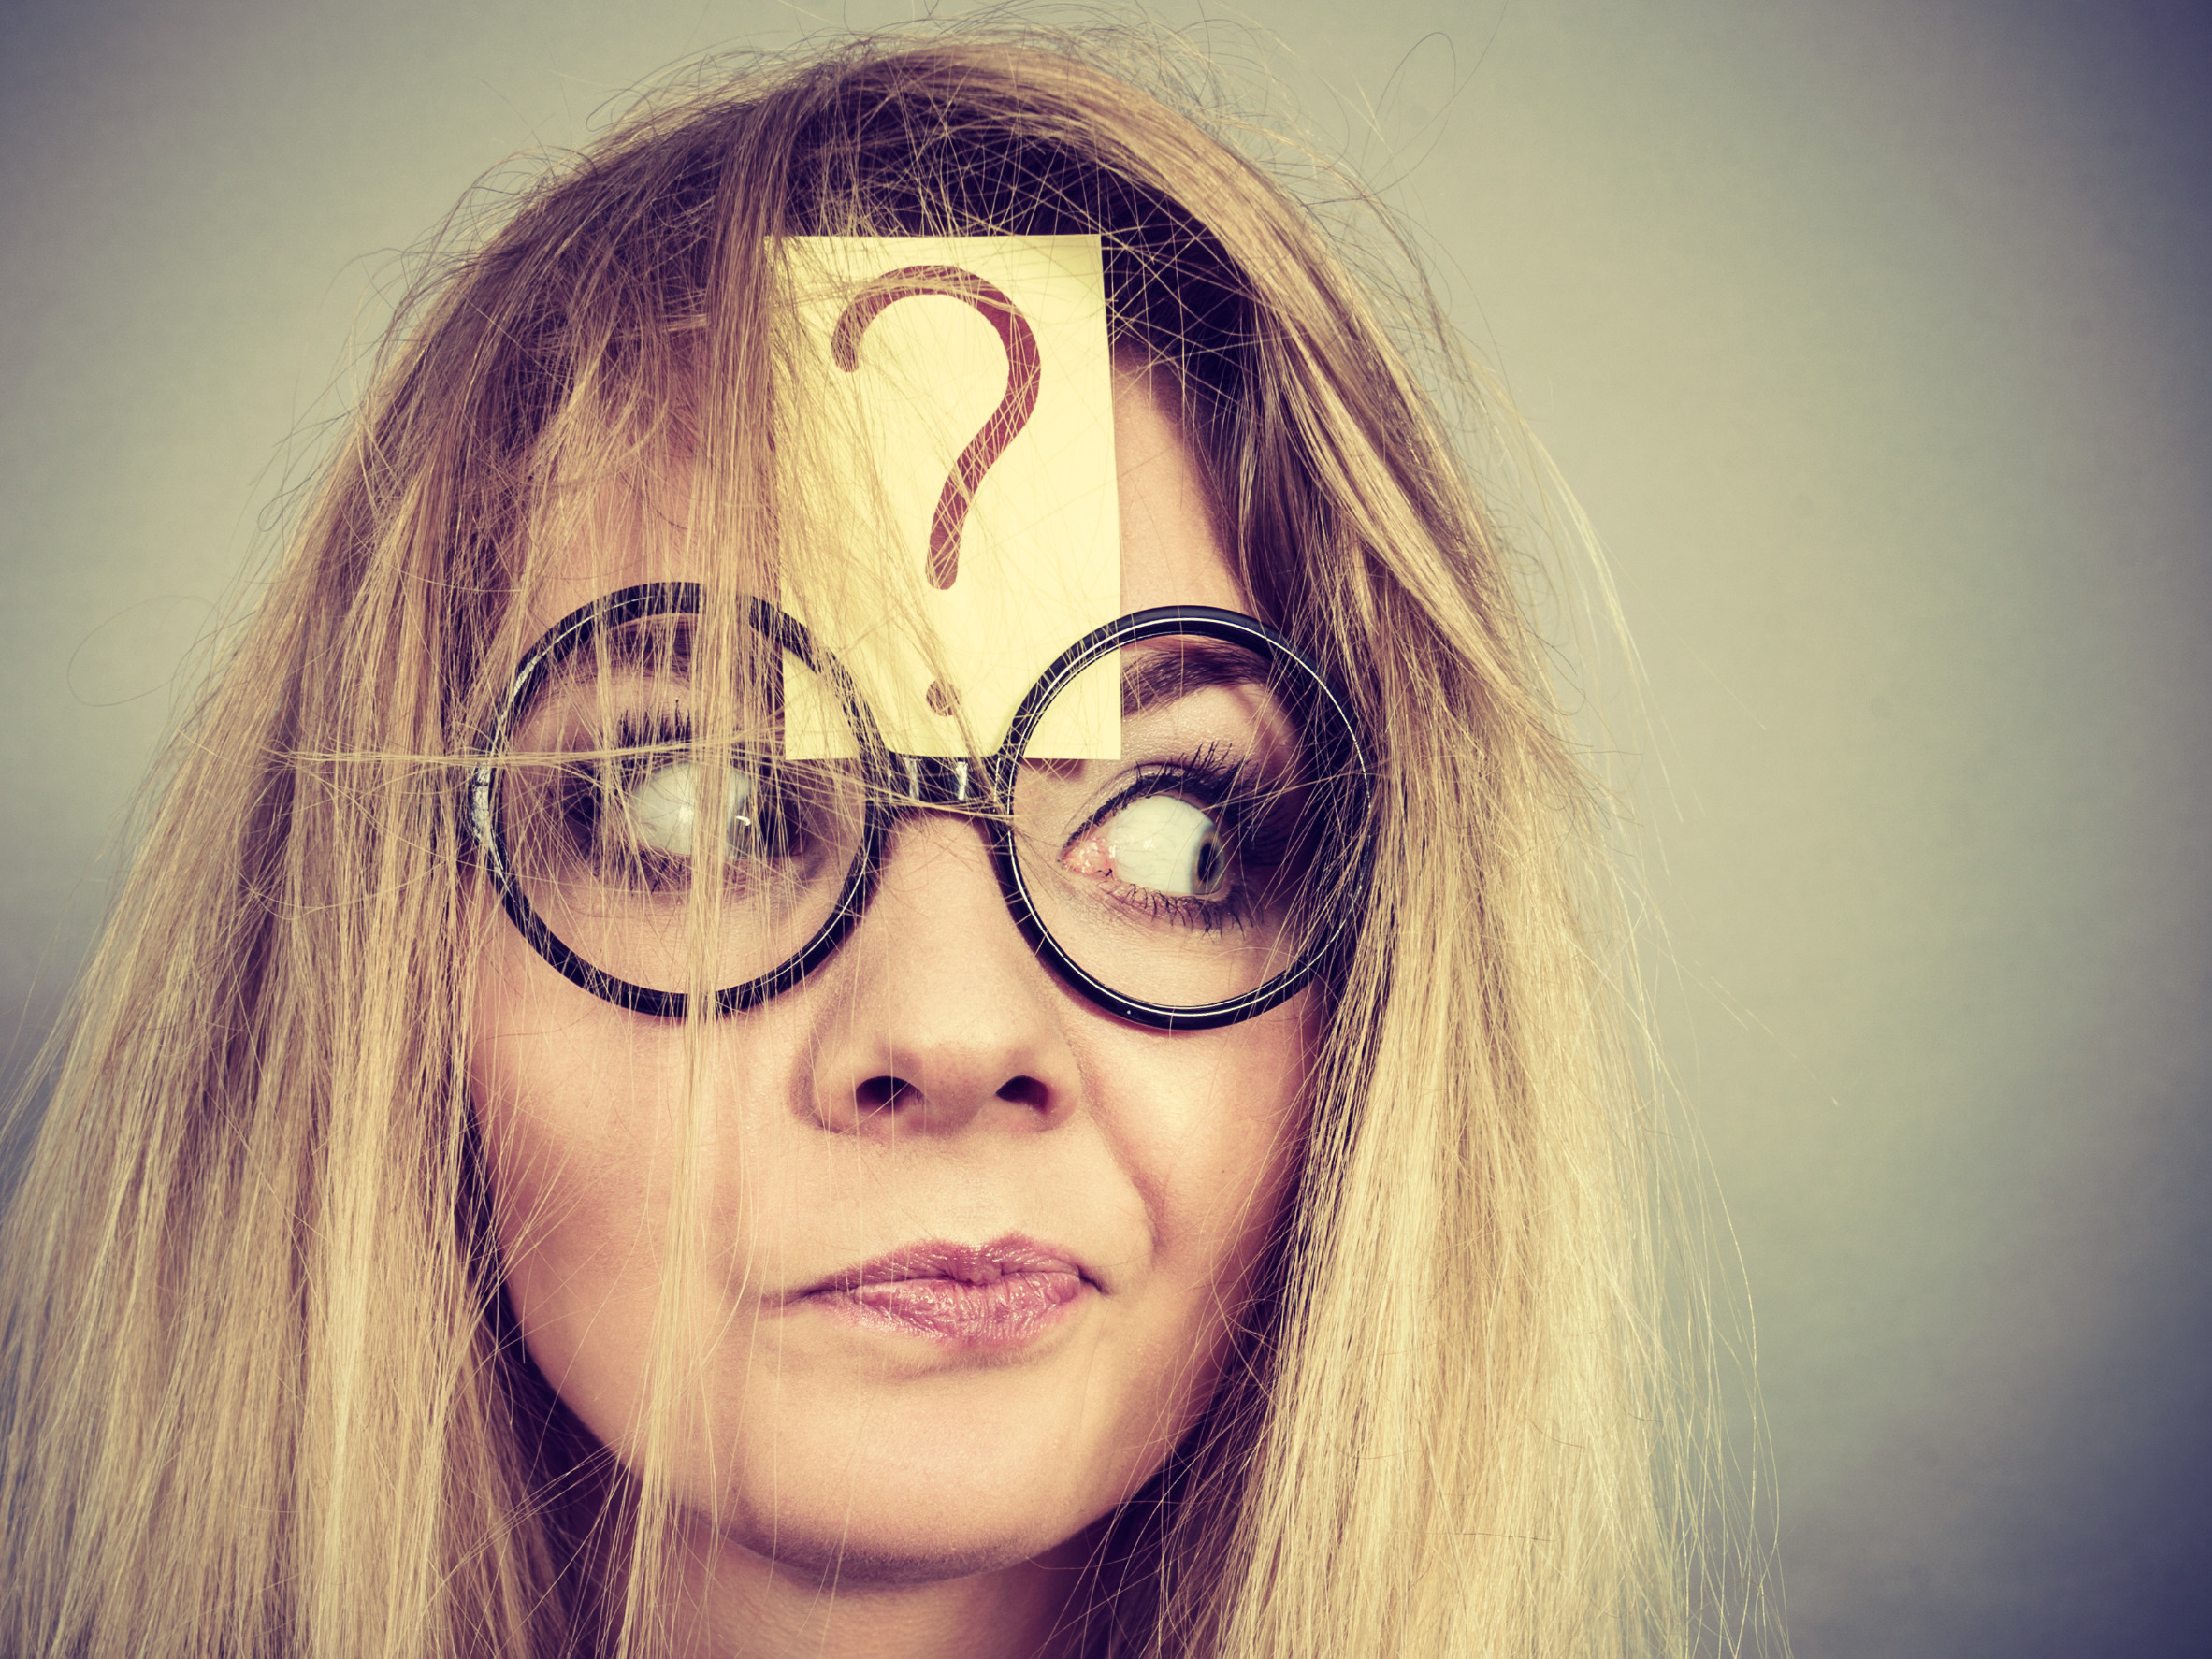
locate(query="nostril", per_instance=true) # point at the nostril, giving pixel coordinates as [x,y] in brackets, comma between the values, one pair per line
[1025,1091]
[878,1093]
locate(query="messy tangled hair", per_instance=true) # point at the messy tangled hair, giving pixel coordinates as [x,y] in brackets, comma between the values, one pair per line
[262,1393]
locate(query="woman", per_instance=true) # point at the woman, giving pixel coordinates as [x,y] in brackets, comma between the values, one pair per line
[1171,1200]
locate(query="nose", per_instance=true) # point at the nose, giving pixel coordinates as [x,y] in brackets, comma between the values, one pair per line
[940,1016]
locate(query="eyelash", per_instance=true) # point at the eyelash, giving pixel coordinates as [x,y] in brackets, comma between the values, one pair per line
[663,732]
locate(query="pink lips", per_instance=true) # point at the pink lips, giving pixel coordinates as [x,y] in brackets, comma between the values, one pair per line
[1000,1294]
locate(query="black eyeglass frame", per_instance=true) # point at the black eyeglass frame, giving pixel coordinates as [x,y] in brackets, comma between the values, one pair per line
[906,783]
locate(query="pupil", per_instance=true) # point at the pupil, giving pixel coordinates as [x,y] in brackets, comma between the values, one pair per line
[1209,865]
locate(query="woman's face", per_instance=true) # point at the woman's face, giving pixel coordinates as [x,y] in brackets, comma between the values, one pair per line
[1125,1180]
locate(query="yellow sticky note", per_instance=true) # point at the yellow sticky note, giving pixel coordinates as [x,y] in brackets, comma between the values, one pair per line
[944,447]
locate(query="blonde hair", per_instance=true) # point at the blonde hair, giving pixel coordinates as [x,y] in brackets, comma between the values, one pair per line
[261,1389]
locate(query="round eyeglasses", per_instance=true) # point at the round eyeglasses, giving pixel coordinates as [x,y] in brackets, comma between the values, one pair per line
[1201,877]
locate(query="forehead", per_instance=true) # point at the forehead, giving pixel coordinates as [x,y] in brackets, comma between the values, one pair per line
[1172,551]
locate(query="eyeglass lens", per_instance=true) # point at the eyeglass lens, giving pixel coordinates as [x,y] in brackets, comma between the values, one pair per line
[625,785]
[1190,870]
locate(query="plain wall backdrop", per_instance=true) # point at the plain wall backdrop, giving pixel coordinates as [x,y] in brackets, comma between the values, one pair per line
[1870,334]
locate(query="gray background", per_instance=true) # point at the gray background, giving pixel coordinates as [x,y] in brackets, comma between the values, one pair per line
[1872,336]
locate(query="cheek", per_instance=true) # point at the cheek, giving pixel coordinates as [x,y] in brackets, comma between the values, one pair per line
[572,1109]
[553,1103]
[1214,1140]
[598,1129]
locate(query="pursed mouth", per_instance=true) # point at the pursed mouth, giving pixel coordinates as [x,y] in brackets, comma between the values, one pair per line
[993,1295]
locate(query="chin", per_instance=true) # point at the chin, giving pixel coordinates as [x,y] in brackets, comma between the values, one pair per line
[856,1556]
[937,1480]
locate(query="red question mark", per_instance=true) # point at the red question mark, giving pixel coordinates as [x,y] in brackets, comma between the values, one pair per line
[1006,421]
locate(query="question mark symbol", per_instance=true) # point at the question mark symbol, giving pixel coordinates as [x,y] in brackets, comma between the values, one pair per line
[1006,421]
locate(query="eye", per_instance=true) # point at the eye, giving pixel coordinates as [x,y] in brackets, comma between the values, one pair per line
[1157,842]
[663,807]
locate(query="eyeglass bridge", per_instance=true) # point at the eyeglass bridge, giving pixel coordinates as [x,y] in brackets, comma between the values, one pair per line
[939,783]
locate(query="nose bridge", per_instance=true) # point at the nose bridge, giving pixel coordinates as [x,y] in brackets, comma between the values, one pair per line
[942,1013]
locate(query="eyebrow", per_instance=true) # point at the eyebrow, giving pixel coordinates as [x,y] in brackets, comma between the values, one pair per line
[633,647]
[1152,677]
[1148,678]
[669,649]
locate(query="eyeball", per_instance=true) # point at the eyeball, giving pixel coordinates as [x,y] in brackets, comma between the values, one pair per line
[1168,845]
[664,807]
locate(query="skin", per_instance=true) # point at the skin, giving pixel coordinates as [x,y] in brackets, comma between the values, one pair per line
[852,1490]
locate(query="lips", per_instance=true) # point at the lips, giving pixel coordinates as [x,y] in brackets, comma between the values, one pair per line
[995,1295]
